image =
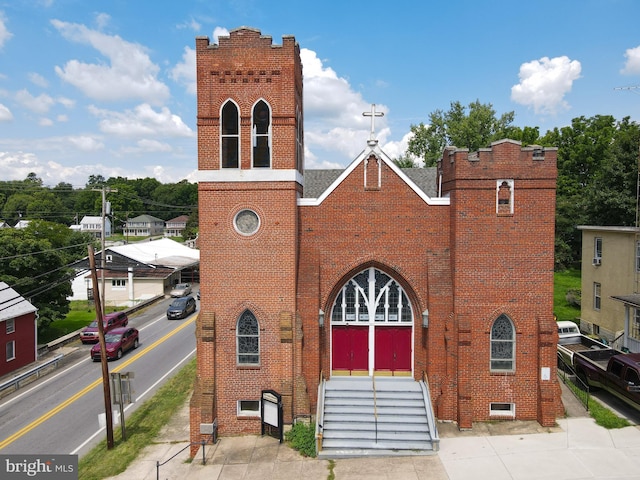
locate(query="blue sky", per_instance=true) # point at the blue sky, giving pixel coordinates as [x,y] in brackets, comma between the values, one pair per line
[108,87]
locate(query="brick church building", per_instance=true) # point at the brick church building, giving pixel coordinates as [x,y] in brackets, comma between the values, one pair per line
[442,275]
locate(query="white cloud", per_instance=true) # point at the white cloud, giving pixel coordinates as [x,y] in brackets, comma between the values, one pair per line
[5,34]
[219,32]
[143,121]
[5,114]
[632,65]
[130,73]
[40,104]
[85,143]
[38,80]
[102,20]
[333,114]
[45,122]
[191,24]
[185,71]
[148,146]
[545,82]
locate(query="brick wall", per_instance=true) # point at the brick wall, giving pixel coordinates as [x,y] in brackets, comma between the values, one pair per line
[467,261]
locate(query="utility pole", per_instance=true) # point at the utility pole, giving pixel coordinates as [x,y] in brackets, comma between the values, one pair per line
[103,351]
[633,89]
[105,206]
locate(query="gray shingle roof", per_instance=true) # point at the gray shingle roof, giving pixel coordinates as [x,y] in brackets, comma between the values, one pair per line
[316,182]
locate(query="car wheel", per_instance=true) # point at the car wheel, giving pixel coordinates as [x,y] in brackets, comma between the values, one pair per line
[135,344]
[119,354]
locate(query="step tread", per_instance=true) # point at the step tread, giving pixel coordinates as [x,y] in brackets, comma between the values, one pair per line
[372,435]
[388,444]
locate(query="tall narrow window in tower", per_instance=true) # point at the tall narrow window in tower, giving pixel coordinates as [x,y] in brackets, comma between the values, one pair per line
[230,136]
[248,339]
[504,197]
[261,135]
[299,141]
[503,341]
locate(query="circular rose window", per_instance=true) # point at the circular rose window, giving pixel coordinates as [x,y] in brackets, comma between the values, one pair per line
[247,222]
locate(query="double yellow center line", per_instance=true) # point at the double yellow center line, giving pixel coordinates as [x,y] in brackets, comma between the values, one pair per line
[70,400]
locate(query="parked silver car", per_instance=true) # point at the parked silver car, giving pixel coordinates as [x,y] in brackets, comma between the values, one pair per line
[181,290]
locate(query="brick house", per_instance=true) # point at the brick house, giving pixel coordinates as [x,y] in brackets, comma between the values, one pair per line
[443,273]
[18,330]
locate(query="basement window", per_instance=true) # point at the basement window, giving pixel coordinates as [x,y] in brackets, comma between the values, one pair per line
[248,408]
[497,409]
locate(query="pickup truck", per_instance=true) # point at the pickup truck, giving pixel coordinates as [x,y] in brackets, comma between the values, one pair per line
[618,373]
[570,344]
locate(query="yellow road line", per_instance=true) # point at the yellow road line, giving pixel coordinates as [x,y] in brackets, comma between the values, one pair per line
[24,430]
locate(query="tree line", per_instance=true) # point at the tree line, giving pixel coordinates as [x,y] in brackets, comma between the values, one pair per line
[29,199]
[36,261]
[598,164]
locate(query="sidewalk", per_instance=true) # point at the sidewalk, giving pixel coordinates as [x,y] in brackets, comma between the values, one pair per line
[576,449]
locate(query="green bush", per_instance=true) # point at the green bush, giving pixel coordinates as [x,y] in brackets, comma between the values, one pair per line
[302,438]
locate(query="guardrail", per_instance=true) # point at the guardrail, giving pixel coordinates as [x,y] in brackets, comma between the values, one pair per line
[45,367]
[30,375]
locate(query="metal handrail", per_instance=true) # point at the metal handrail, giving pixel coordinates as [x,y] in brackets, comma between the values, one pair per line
[567,373]
[15,382]
[320,413]
[204,460]
[435,438]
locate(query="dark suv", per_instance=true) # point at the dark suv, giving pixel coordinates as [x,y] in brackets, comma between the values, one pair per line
[111,320]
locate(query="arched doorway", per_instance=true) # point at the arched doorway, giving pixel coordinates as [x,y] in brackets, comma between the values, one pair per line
[372,327]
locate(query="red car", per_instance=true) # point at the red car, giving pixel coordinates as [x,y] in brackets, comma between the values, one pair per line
[118,341]
[111,320]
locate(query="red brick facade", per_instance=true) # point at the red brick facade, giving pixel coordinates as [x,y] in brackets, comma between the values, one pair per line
[481,247]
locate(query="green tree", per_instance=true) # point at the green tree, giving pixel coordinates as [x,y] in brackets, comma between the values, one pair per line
[404,161]
[16,207]
[597,179]
[47,206]
[473,130]
[35,261]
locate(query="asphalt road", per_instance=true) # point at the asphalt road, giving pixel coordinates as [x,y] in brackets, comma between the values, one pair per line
[59,414]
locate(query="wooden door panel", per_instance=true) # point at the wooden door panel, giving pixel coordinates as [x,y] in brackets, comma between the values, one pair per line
[349,348]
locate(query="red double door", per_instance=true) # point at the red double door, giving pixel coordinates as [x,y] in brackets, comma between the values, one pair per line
[391,345]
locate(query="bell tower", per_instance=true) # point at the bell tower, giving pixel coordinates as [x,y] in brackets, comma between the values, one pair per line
[250,173]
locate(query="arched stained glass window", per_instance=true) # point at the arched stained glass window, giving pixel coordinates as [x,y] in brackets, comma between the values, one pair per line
[248,339]
[503,345]
[230,136]
[372,295]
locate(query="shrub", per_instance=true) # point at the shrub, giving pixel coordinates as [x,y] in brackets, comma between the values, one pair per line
[302,438]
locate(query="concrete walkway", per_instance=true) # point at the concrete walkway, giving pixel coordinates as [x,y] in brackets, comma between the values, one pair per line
[576,449]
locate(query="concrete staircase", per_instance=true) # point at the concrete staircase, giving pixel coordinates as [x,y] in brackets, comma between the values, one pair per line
[381,416]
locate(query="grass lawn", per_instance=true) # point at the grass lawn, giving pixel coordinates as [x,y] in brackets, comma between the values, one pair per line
[82,313]
[142,427]
[564,281]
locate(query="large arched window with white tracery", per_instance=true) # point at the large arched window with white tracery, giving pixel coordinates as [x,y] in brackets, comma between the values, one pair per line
[503,345]
[372,296]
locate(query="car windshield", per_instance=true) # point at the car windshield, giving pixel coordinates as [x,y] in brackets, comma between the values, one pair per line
[112,337]
[179,302]
[94,324]
[181,286]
